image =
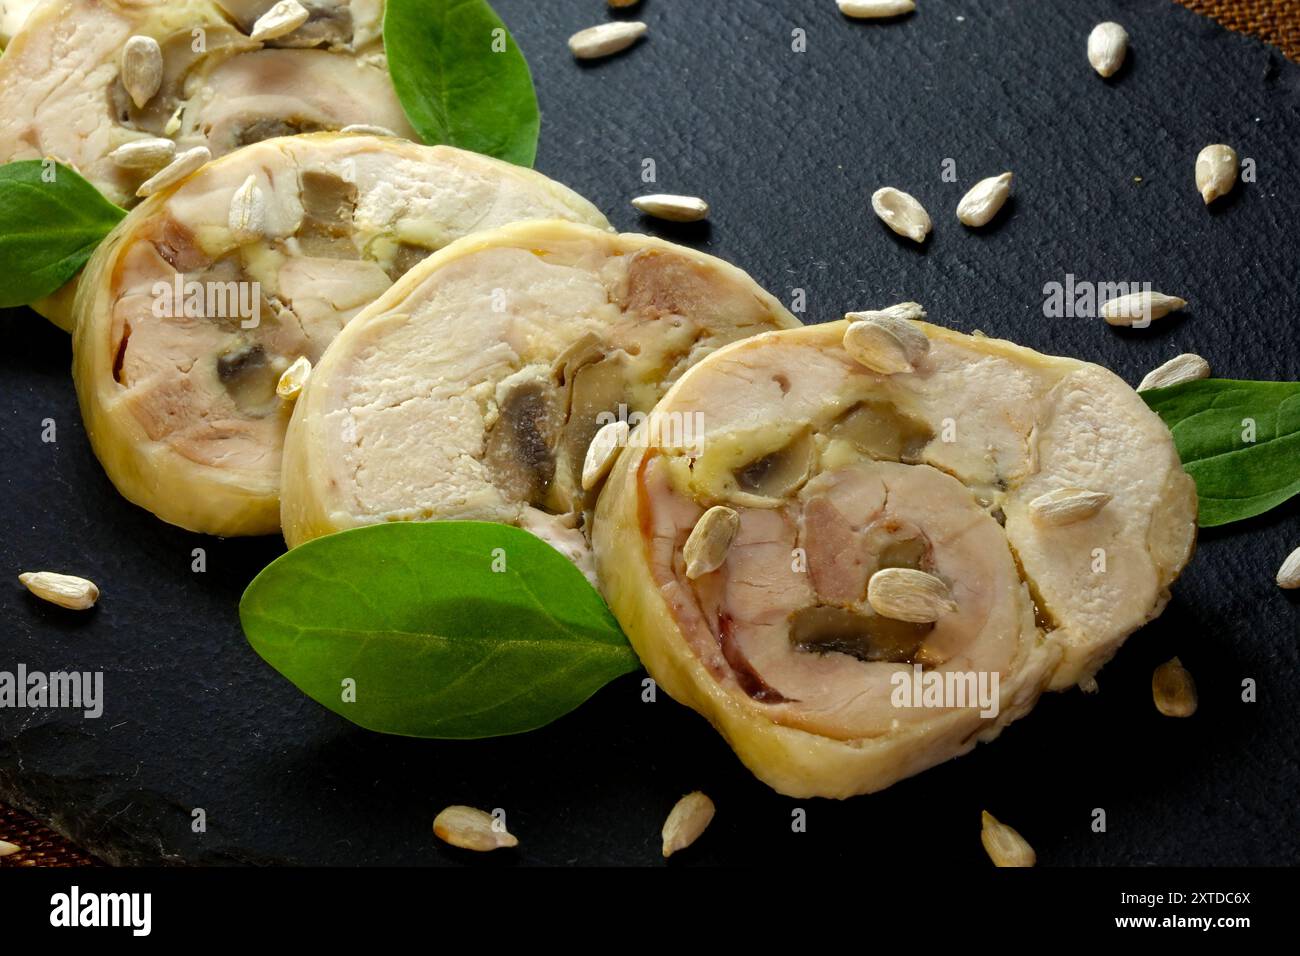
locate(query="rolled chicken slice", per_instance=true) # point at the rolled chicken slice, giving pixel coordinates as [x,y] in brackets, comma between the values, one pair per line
[895,589]
[474,387]
[205,294]
[116,88]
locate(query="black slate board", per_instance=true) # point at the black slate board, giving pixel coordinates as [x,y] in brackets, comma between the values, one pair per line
[788,147]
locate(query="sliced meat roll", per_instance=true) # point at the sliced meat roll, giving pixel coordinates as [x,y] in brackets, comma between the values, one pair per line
[838,572]
[193,307]
[69,90]
[474,387]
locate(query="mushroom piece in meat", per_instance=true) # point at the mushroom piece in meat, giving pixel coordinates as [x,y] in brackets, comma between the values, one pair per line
[203,296]
[64,94]
[918,497]
[473,388]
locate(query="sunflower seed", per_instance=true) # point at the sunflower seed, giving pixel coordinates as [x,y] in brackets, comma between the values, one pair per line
[76,594]
[874,9]
[1107,47]
[247,217]
[904,594]
[294,378]
[1173,689]
[1187,367]
[363,129]
[142,69]
[673,208]
[884,343]
[710,541]
[281,20]
[174,122]
[687,821]
[9,849]
[605,39]
[1004,845]
[985,200]
[472,829]
[1067,506]
[1216,171]
[1288,576]
[149,154]
[602,451]
[902,213]
[911,311]
[186,164]
[1141,308]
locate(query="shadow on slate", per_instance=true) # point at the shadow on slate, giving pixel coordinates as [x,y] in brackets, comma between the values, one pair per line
[788,148]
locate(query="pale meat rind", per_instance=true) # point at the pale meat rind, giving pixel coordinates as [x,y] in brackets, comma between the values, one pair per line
[181,408]
[472,389]
[988,427]
[62,94]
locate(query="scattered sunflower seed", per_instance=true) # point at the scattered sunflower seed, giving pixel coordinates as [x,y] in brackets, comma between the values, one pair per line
[902,213]
[294,378]
[602,452]
[985,200]
[471,829]
[186,164]
[875,9]
[1187,367]
[142,69]
[911,311]
[65,590]
[247,216]
[364,129]
[1216,171]
[706,549]
[687,821]
[1004,845]
[904,594]
[1107,47]
[885,343]
[1288,576]
[673,208]
[9,849]
[606,39]
[281,20]
[1140,308]
[1067,506]
[149,154]
[1174,689]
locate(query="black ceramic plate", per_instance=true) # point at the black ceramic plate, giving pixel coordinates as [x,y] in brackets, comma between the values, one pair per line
[787,146]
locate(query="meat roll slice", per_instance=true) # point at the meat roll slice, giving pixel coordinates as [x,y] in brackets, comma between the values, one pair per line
[70,91]
[193,307]
[474,387]
[857,575]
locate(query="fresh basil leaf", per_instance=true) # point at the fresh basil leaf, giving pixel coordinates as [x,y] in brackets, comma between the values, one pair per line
[461,78]
[51,220]
[1213,422]
[439,644]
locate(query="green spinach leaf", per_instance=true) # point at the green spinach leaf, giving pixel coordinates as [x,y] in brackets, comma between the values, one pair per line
[461,77]
[447,629]
[1239,440]
[51,220]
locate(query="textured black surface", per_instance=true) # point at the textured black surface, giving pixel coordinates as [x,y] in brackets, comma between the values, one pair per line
[788,147]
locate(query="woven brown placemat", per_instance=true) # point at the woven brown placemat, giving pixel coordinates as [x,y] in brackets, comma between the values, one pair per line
[37,844]
[1273,21]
